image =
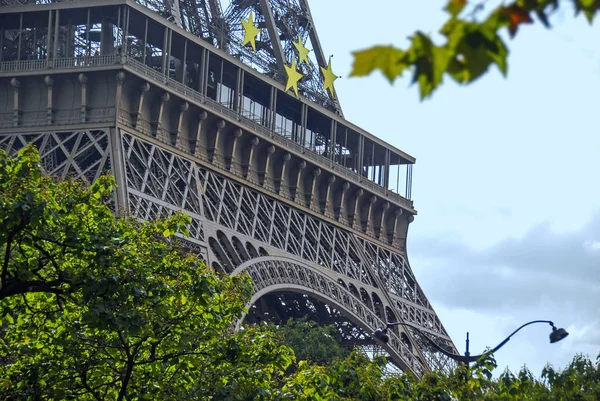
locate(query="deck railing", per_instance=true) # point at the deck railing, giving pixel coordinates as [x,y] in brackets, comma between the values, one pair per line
[187,92]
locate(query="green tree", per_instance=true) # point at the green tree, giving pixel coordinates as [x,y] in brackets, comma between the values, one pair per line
[311,342]
[472,44]
[105,308]
[354,378]
[50,233]
[579,381]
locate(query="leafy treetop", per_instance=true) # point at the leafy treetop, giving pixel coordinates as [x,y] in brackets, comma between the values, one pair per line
[104,308]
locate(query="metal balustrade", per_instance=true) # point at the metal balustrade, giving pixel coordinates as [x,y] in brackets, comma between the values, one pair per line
[187,92]
[58,63]
[265,131]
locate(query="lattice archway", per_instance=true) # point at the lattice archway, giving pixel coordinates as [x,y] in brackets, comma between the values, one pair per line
[272,274]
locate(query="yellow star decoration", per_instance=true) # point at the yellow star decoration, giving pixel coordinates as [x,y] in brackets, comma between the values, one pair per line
[328,78]
[293,77]
[250,31]
[302,51]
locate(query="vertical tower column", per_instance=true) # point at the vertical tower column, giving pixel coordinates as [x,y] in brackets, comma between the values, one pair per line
[248,166]
[301,167]
[179,140]
[213,150]
[328,197]
[139,116]
[283,178]
[107,45]
[237,133]
[382,230]
[160,134]
[83,109]
[342,210]
[198,146]
[265,173]
[370,226]
[16,84]
[118,161]
[356,218]
[397,216]
[49,103]
[314,195]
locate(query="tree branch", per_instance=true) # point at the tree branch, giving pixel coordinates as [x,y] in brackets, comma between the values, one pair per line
[4,276]
[128,368]
[17,287]
[87,386]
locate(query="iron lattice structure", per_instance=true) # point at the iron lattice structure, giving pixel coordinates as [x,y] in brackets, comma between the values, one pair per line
[163,95]
[285,20]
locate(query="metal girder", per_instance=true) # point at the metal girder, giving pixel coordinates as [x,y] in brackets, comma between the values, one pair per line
[244,230]
[83,155]
[284,20]
[273,36]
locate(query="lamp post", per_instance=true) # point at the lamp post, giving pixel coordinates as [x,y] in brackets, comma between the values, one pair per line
[555,336]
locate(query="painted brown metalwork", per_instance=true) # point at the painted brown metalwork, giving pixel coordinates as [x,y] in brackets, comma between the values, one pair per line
[162,94]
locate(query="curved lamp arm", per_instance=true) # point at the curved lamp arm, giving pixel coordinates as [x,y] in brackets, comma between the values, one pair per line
[497,347]
[456,357]
[556,335]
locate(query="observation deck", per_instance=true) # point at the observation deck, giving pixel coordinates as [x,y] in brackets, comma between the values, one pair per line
[190,66]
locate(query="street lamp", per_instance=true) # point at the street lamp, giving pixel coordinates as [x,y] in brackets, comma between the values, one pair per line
[555,336]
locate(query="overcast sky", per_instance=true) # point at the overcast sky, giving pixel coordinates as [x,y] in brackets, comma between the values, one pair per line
[506,180]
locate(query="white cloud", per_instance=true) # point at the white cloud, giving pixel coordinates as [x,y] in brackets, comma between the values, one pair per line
[592,245]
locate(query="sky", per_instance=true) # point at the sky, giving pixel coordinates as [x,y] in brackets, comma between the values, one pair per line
[506,179]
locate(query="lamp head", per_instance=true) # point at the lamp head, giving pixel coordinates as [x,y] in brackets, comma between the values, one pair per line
[381,335]
[557,334]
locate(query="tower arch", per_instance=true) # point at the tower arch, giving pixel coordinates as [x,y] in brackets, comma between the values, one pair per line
[272,274]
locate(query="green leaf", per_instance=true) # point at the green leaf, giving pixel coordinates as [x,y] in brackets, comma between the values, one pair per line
[454,7]
[500,56]
[589,15]
[388,59]
[430,63]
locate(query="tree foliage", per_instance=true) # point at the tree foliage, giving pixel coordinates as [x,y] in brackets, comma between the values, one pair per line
[98,307]
[471,45]
[359,378]
[51,233]
[311,342]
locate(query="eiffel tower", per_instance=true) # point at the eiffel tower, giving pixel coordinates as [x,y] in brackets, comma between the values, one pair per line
[229,114]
